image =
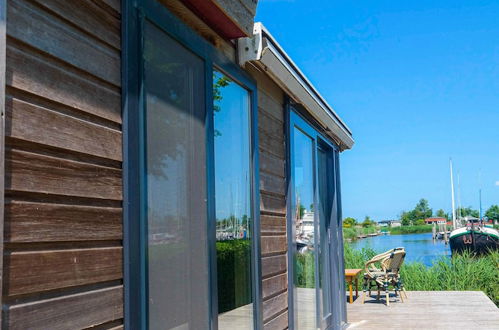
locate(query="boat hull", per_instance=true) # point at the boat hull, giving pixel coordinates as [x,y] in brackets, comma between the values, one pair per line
[479,242]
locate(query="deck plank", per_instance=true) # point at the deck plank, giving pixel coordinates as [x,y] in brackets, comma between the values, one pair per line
[426,310]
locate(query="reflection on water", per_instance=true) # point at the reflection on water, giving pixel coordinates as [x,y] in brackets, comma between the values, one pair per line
[419,247]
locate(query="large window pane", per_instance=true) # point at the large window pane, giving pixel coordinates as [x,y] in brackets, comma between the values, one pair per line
[304,232]
[175,177]
[233,210]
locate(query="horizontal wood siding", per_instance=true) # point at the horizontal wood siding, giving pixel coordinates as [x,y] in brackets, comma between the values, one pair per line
[63,256]
[272,152]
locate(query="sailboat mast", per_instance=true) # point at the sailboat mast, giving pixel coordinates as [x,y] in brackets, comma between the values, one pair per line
[452,193]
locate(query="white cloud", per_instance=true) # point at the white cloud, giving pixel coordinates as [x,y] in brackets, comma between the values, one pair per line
[497,183]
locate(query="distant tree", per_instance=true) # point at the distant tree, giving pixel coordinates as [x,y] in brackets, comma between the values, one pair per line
[405,218]
[493,213]
[441,214]
[419,222]
[302,211]
[422,210]
[367,222]
[467,212]
[349,222]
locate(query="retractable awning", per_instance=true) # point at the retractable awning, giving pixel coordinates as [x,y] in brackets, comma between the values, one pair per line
[264,51]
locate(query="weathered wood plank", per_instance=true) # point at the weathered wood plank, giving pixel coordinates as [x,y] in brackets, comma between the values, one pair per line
[272,184]
[29,272]
[269,125]
[272,144]
[39,29]
[272,106]
[278,323]
[3,42]
[273,265]
[272,224]
[273,244]
[271,164]
[88,17]
[74,311]
[274,305]
[31,172]
[273,285]
[41,222]
[38,124]
[54,82]
[114,4]
[272,204]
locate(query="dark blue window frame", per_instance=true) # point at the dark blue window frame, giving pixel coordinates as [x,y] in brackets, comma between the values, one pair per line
[134,14]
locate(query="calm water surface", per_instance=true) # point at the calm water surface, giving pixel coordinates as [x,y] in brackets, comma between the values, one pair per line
[419,247]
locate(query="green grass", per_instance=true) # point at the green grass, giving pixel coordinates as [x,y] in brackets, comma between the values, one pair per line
[463,272]
[402,230]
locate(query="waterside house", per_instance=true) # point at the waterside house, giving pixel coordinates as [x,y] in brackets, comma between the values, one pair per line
[389,223]
[155,158]
[437,220]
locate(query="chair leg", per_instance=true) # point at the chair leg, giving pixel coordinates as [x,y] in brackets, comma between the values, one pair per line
[405,293]
[387,298]
[401,296]
[377,297]
[364,297]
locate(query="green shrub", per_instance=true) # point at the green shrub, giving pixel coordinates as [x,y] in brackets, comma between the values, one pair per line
[410,229]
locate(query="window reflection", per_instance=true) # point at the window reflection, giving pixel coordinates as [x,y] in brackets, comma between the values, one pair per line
[304,232]
[175,182]
[233,210]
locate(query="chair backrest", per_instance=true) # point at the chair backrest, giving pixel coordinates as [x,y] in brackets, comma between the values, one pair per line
[394,261]
[371,264]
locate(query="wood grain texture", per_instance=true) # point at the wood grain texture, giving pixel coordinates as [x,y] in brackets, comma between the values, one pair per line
[37,28]
[31,172]
[35,271]
[272,184]
[43,222]
[88,16]
[76,311]
[273,265]
[272,204]
[272,144]
[63,116]
[57,83]
[274,305]
[270,224]
[271,164]
[60,130]
[273,285]
[273,244]
[280,322]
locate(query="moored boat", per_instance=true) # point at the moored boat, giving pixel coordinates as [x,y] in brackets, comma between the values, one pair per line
[474,237]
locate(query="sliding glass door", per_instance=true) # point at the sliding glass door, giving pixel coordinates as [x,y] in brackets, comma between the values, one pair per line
[175,179]
[197,192]
[314,248]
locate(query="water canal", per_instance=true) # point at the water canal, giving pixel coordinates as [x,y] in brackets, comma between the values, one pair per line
[419,247]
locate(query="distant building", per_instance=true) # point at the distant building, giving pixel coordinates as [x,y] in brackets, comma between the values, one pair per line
[437,220]
[389,223]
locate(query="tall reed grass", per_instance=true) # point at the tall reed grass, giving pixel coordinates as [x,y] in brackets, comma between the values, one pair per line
[464,272]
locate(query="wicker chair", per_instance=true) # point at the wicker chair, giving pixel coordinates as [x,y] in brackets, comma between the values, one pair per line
[386,274]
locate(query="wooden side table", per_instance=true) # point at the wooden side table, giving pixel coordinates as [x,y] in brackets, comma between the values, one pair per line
[350,276]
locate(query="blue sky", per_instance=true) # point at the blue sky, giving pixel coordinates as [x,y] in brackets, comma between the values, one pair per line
[416,81]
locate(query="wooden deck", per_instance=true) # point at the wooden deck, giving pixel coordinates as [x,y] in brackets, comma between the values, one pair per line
[426,310]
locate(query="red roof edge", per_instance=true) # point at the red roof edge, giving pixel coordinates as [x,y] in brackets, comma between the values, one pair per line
[215,17]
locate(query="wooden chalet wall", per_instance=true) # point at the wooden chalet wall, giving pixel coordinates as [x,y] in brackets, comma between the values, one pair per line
[63,184]
[272,154]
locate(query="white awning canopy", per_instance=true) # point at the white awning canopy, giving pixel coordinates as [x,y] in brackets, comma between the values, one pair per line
[263,50]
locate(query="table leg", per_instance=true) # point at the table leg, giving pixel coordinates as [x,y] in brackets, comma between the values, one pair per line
[356,288]
[351,291]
